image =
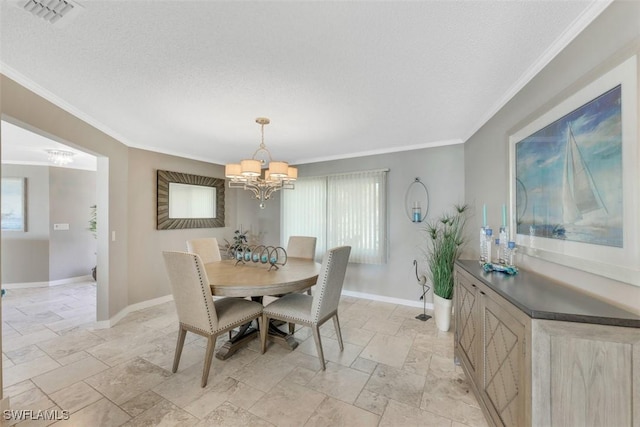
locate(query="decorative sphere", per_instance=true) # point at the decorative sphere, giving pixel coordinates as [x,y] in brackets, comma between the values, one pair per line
[256,258]
[273,260]
[264,259]
[239,255]
[247,256]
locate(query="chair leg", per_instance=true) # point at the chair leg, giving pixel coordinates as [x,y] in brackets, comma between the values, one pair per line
[316,337]
[182,333]
[336,324]
[292,328]
[211,344]
[264,331]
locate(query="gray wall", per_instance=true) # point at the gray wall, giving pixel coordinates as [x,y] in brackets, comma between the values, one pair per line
[146,276]
[440,168]
[611,38]
[41,254]
[262,225]
[25,255]
[72,252]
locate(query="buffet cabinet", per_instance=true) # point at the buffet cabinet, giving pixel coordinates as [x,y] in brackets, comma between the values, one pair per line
[534,361]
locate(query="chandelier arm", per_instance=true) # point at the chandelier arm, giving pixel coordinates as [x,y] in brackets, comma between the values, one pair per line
[254,189]
[270,190]
[245,186]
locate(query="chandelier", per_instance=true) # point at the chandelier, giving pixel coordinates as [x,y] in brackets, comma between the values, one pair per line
[248,174]
[60,157]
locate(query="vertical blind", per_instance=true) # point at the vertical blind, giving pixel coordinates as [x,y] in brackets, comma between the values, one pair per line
[304,212]
[345,209]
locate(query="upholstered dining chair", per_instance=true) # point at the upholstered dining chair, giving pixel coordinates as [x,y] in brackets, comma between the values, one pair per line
[197,311]
[314,310]
[301,247]
[207,248]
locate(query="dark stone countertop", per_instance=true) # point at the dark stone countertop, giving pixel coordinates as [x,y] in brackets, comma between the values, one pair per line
[540,297]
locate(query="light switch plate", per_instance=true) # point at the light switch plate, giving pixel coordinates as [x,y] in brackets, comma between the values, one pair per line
[59,227]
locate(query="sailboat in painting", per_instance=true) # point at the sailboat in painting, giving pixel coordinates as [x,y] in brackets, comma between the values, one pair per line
[580,197]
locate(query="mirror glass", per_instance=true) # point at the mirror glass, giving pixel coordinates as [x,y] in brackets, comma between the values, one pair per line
[191,201]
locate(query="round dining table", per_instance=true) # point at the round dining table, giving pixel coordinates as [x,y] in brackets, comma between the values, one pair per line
[231,278]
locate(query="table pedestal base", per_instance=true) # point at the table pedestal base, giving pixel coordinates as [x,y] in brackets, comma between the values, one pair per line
[284,339]
[247,333]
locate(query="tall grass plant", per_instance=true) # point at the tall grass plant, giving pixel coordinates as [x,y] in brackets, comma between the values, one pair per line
[446,239]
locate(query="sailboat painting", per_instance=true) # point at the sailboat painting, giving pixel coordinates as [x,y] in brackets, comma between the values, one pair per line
[569,175]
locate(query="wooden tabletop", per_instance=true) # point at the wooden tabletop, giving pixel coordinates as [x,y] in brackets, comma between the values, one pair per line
[255,279]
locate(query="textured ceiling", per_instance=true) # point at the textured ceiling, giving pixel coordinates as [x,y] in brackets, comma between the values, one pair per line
[338,79]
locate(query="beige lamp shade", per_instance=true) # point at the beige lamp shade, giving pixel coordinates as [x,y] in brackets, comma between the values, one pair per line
[232,170]
[250,167]
[292,173]
[279,169]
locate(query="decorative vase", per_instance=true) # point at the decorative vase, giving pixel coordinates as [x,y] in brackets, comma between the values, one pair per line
[442,312]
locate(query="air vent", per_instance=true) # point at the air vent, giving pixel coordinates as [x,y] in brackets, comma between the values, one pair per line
[53,11]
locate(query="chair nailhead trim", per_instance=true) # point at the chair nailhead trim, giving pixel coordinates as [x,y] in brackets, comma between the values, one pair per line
[204,294]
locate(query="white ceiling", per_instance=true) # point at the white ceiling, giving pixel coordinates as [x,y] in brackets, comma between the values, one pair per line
[338,79]
[21,146]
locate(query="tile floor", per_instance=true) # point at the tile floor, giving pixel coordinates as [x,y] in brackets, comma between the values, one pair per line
[394,370]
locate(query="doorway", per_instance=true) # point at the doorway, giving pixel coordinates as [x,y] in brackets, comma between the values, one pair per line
[61,249]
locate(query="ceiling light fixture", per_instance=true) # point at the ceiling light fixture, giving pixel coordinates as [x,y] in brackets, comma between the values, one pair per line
[60,157]
[248,173]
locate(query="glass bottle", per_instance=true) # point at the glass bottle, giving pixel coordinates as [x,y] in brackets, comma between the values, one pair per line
[511,254]
[483,245]
[504,241]
[488,239]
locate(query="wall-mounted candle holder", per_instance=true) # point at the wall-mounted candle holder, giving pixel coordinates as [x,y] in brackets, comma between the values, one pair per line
[416,201]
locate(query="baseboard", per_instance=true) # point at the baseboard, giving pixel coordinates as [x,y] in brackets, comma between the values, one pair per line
[4,406]
[382,298]
[66,281]
[104,324]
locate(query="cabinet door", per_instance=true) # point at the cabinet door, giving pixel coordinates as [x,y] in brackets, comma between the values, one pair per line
[503,348]
[468,325]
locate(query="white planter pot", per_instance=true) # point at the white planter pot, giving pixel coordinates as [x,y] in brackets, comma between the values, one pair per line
[442,312]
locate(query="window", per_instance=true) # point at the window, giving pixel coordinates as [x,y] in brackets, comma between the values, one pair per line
[344,209]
